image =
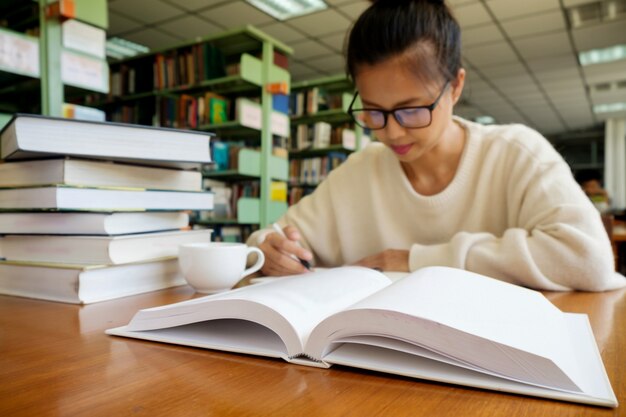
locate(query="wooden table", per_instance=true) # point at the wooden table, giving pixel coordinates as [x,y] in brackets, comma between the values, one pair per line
[55,360]
[618,240]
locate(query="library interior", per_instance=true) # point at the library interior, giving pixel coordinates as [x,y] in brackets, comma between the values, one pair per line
[133,129]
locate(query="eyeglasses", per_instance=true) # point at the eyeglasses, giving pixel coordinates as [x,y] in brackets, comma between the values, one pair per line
[408,117]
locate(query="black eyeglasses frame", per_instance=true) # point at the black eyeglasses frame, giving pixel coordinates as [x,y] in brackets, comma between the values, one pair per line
[386,113]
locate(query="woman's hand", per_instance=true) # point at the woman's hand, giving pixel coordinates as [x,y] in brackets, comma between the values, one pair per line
[280,251]
[388,260]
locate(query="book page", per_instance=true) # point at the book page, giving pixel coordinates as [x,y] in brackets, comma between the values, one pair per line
[290,306]
[490,324]
[375,358]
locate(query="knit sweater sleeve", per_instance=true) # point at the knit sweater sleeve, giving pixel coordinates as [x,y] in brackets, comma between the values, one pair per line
[556,240]
[314,218]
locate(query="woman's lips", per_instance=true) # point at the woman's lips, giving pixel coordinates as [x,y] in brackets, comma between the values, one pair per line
[401,149]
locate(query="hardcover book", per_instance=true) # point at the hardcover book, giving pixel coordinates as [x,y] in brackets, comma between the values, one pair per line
[90,173]
[29,136]
[80,223]
[84,284]
[101,199]
[99,250]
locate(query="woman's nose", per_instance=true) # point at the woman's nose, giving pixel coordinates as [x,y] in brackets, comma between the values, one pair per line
[393,129]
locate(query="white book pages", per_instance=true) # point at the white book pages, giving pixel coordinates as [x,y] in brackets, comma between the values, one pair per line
[289,307]
[419,363]
[494,325]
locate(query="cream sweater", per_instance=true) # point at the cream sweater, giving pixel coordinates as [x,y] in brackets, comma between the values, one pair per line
[513,212]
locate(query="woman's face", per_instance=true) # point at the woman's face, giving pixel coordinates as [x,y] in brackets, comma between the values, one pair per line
[390,85]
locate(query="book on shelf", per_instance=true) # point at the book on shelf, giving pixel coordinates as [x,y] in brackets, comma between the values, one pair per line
[93,173]
[77,223]
[187,111]
[438,323]
[84,284]
[280,103]
[222,200]
[217,107]
[296,193]
[188,66]
[221,155]
[316,99]
[133,78]
[227,196]
[314,170]
[321,135]
[99,250]
[278,191]
[32,136]
[101,199]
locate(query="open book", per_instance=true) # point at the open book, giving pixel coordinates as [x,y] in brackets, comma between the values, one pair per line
[440,324]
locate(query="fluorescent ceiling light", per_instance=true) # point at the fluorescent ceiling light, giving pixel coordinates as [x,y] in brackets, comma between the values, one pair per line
[485,120]
[609,108]
[119,48]
[286,9]
[599,56]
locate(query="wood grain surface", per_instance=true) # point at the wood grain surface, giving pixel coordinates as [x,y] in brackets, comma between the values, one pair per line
[55,360]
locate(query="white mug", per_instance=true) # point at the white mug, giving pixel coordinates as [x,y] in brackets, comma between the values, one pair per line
[216,266]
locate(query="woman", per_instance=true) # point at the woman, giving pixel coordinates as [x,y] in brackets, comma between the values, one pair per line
[437,189]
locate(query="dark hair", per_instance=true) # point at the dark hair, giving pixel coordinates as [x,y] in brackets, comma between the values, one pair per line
[415,28]
[585,175]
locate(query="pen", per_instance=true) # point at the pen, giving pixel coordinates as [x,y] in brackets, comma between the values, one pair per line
[304,263]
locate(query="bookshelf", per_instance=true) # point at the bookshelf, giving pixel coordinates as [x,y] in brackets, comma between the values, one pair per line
[218,84]
[39,66]
[322,134]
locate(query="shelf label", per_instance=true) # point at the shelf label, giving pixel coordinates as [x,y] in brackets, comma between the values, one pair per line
[85,72]
[19,55]
[250,114]
[84,38]
[348,139]
[280,124]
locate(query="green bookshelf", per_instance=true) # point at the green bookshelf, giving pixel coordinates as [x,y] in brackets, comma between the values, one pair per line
[249,167]
[188,76]
[316,152]
[37,73]
[316,148]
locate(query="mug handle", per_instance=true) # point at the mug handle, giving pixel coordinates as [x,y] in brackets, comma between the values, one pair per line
[259,262]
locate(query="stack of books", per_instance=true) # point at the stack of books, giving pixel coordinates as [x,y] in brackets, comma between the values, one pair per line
[92,211]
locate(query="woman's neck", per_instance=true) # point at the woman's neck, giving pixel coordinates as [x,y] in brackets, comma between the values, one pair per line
[435,170]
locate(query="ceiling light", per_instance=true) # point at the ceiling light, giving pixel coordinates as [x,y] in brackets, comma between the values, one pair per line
[594,11]
[119,48]
[485,120]
[599,56]
[286,9]
[609,108]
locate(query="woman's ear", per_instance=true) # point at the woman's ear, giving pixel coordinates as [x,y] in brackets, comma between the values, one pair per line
[457,85]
